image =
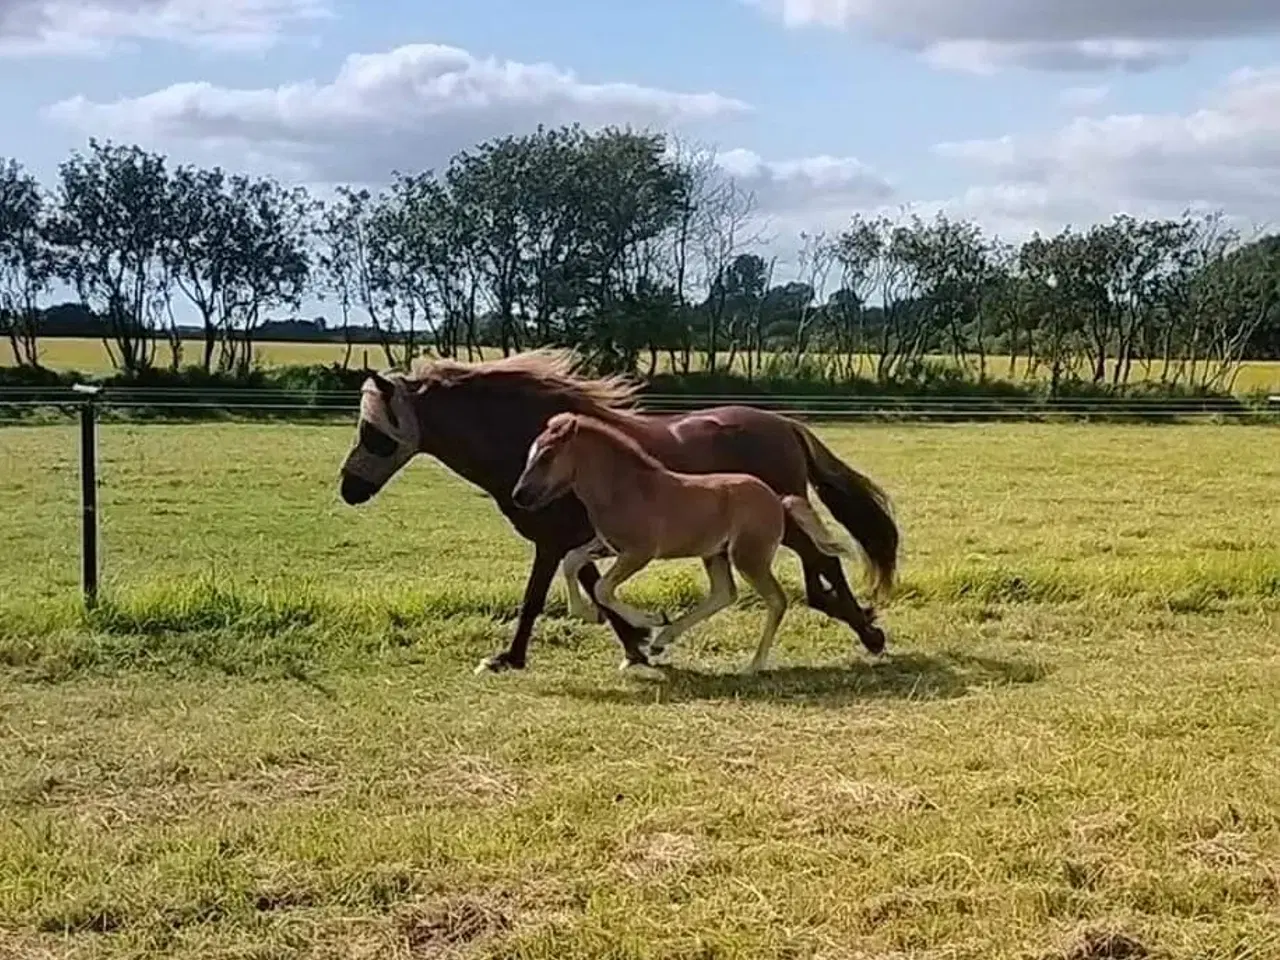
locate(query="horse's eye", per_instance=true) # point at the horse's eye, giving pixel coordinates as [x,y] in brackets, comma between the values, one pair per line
[375,441]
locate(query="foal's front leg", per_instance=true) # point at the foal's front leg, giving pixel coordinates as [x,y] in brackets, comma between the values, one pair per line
[624,568]
[605,591]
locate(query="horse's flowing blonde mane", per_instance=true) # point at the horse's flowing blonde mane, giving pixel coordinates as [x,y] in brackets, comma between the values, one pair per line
[553,372]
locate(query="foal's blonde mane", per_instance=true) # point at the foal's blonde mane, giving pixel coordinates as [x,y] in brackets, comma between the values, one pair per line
[548,372]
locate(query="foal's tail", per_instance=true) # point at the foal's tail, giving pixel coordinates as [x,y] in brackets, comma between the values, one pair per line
[860,506]
[807,519]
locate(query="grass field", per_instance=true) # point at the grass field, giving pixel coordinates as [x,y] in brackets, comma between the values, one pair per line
[268,741]
[89,356]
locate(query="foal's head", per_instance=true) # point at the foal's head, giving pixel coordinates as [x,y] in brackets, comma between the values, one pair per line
[548,470]
[387,437]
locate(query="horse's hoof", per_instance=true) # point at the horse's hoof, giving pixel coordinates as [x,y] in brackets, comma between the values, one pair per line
[660,656]
[874,640]
[641,671]
[498,663]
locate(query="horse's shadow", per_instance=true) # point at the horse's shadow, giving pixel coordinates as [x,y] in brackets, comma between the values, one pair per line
[904,676]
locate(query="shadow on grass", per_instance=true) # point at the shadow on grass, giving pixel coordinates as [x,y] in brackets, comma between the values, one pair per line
[905,676]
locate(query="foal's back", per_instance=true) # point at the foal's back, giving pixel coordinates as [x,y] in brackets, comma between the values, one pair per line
[673,514]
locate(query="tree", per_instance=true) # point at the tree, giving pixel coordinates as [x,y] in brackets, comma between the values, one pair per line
[110,233]
[268,260]
[200,246]
[487,185]
[26,261]
[1238,295]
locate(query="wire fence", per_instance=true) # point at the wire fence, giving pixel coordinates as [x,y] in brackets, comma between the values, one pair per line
[90,405]
[180,402]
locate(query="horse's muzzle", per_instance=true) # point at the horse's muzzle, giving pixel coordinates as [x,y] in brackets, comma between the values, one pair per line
[527,497]
[356,490]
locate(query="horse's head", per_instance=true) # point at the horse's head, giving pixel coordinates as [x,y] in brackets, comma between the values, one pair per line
[387,437]
[549,467]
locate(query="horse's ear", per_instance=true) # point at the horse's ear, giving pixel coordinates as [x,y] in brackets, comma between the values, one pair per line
[385,386]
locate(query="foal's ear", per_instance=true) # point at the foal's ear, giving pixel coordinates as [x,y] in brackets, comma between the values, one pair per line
[563,425]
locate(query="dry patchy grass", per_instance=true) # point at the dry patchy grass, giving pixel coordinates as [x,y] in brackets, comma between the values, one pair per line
[269,742]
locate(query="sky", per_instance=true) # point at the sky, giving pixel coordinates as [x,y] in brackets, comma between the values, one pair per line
[1023,115]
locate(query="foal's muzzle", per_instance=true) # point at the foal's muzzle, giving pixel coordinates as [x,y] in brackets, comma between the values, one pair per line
[356,490]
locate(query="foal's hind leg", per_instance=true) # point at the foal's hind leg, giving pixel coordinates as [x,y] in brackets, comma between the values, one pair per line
[722,593]
[756,567]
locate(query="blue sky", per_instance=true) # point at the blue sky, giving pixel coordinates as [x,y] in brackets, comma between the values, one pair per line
[1056,112]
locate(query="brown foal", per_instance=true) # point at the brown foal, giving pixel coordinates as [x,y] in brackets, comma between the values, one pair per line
[642,511]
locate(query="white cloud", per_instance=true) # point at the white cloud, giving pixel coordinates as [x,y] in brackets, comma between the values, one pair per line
[806,193]
[69,27]
[987,56]
[414,107]
[409,108]
[1222,155]
[1083,99]
[983,35]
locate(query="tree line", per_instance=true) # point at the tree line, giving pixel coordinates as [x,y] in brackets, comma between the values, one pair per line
[630,247]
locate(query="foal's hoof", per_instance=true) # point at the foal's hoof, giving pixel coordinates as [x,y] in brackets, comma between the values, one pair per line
[498,663]
[874,640]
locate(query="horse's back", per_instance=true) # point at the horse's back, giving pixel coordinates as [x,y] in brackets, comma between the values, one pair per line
[738,439]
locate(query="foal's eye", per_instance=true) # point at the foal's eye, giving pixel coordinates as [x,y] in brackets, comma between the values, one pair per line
[375,441]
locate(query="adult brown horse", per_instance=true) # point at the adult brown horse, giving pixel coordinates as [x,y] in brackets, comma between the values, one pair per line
[479,420]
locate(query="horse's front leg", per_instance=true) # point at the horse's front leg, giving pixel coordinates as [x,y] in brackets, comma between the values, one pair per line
[633,639]
[624,568]
[577,558]
[546,559]
[605,593]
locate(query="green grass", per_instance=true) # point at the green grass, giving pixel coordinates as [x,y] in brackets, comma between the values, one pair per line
[268,742]
[89,356]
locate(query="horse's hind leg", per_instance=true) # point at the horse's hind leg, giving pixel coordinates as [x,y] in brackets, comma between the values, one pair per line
[757,570]
[722,593]
[837,599]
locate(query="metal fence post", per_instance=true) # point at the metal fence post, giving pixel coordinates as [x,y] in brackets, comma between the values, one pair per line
[89,493]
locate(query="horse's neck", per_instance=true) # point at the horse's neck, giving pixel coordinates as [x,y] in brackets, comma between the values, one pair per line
[495,465]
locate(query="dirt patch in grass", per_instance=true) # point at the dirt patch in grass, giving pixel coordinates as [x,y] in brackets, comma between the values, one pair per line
[444,928]
[1101,945]
[656,854]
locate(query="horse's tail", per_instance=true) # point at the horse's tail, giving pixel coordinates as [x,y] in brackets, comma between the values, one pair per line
[859,504]
[802,512]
